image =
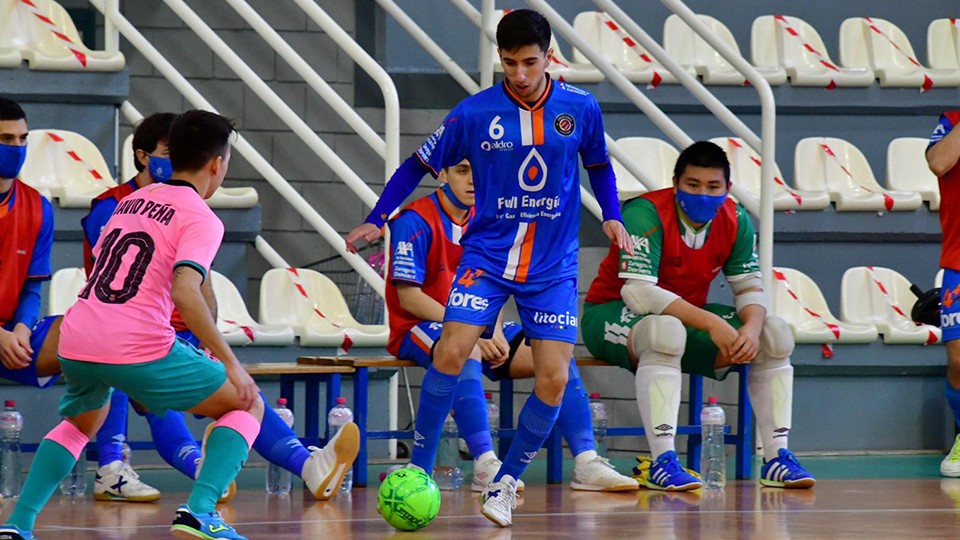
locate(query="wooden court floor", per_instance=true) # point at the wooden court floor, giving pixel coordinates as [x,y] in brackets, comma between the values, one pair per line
[899,508]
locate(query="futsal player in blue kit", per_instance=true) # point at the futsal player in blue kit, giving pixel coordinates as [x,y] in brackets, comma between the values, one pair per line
[522,138]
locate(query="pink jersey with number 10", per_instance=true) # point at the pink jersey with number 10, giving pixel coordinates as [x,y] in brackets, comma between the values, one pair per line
[122,315]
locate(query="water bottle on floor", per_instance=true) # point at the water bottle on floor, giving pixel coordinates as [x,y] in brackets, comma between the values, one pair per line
[447,472]
[75,483]
[713,461]
[11,471]
[493,417]
[598,415]
[338,417]
[280,480]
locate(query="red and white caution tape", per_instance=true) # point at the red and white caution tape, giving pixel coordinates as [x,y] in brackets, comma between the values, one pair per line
[634,46]
[75,157]
[791,31]
[298,285]
[826,349]
[56,31]
[247,331]
[737,147]
[931,337]
[887,199]
[927,81]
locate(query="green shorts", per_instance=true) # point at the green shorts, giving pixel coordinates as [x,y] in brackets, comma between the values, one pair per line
[179,381]
[605,328]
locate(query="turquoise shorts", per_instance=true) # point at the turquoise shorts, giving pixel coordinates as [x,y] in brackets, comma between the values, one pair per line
[179,381]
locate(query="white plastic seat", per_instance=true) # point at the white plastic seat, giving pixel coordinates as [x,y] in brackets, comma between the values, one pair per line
[907,169]
[573,71]
[235,322]
[65,284]
[779,40]
[655,158]
[9,34]
[943,44]
[745,171]
[224,197]
[882,46]
[318,315]
[691,50]
[44,35]
[798,300]
[840,169]
[882,297]
[938,279]
[67,165]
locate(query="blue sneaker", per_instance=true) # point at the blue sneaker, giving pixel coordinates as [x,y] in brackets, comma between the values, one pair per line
[785,471]
[666,474]
[210,526]
[12,532]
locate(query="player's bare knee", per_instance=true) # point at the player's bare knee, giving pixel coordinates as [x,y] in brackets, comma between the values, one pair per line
[659,339]
[449,356]
[776,340]
[256,410]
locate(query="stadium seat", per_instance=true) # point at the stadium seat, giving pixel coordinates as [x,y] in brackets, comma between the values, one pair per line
[839,168]
[882,46]
[634,63]
[225,197]
[67,165]
[64,287]
[882,297]
[907,169]
[235,322]
[312,304]
[44,35]
[654,156]
[745,171]
[943,44]
[691,50]
[779,40]
[561,68]
[938,279]
[798,300]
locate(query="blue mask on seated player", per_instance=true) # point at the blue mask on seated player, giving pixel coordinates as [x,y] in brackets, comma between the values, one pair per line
[448,191]
[160,168]
[11,160]
[700,208]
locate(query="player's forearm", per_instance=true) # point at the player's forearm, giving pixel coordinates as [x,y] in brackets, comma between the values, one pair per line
[691,315]
[603,182]
[28,304]
[406,179]
[195,312]
[753,315]
[419,304]
[944,155]
[209,297]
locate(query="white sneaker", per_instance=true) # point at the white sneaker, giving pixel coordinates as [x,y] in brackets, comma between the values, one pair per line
[117,481]
[950,466]
[498,501]
[324,470]
[599,475]
[231,490]
[484,473]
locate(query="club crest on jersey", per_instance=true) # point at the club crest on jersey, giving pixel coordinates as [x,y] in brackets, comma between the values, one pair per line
[564,124]
[533,172]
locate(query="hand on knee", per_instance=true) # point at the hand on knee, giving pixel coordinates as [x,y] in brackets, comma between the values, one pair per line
[256,410]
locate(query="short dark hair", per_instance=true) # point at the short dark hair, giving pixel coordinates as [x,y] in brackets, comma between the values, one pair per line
[703,154]
[196,137]
[150,132]
[523,27]
[11,110]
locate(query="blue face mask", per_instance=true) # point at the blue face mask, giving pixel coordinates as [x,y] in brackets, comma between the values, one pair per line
[448,191]
[11,160]
[700,208]
[160,168]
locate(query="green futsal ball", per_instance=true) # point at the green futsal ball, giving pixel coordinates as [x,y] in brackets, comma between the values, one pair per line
[408,499]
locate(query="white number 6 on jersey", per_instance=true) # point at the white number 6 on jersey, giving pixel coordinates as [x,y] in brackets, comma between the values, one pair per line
[496,130]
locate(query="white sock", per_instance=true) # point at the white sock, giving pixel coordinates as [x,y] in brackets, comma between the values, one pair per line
[771,394]
[485,456]
[584,458]
[658,396]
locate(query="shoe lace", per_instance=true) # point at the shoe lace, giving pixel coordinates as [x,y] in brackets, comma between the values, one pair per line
[128,471]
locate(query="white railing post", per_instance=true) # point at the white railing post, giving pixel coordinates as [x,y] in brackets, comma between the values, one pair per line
[270,254]
[111,37]
[486,45]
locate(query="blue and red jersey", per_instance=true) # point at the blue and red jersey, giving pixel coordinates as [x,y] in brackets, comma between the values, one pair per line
[26,238]
[950,198]
[101,208]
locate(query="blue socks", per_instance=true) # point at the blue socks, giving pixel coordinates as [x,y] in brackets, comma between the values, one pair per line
[278,443]
[470,410]
[535,422]
[953,399]
[174,442]
[113,434]
[436,400]
[574,421]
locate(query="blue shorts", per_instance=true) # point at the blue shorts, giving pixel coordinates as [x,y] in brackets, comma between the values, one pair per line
[416,346]
[188,336]
[28,375]
[548,310]
[950,305]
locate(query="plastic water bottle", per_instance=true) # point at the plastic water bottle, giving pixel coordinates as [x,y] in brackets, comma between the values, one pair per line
[598,414]
[713,461]
[280,480]
[75,483]
[493,417]
[11,471]
[338,417]
[447,473]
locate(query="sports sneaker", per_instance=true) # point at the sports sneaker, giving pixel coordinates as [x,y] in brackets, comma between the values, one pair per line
[599,475]
[786,472]
[12,532]
[231,490]
[484,473]
[117,481]
[325,468]
[950,466]
[209,526]
[498,501]
[666,474]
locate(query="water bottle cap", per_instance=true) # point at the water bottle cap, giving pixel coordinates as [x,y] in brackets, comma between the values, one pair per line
[282,402]
[488,395]
[595,395]
[712,400]
[9,403]
[341,400]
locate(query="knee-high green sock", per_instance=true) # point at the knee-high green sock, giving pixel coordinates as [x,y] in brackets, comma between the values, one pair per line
[226,451]
[41,483]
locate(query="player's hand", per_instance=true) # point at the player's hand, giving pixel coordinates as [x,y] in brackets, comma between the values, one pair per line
[618,235]
[724,337]
[366,231]
[12,353]
[496,349]
[247,390]
[746,346]
[23,333]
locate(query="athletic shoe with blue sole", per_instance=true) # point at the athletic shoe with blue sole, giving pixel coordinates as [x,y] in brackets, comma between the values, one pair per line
[666,474]
[190,525]
[785,471]
[12,532]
